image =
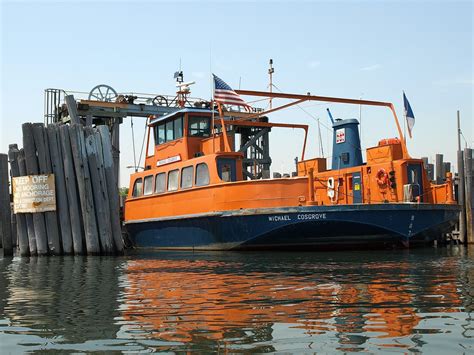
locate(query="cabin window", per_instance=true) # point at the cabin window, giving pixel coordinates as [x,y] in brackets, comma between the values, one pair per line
[161,134]
[178,127]
[199,126]
[148,185]
[226,169]
[173,180]
[137,188]
[187,177]
[169,130]
[225,172]
[202,175]
[160,183]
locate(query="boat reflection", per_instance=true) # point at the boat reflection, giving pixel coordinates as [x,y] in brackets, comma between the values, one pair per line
[228,300]
[259,302]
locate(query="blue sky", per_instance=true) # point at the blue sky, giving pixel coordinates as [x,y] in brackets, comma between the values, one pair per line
[348,49]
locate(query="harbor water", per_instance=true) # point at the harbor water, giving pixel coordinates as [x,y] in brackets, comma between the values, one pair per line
[397,301]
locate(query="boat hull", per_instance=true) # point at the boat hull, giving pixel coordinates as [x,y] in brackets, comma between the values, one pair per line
[304,227]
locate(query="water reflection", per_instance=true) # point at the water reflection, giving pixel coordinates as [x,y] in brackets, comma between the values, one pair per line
[404,301]
[52,301]
[239,299]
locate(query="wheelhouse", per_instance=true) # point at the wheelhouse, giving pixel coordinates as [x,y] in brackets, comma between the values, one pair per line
[182,135]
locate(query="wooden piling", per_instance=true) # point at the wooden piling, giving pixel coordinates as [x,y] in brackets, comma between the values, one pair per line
[13,229]
[469,195]
[99,189]
[439,168]
[32,168]
[62,204]
[5,209]
[72,108]
[446,168]
[425,161]
[112,187]
[75,218]
[115,140]
[85,188]
[430,171]
[30,227]
[44,164]
[22,232]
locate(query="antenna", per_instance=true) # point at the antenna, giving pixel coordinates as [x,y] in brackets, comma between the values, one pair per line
[271,70]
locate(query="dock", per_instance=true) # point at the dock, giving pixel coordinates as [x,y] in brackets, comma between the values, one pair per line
[76,162]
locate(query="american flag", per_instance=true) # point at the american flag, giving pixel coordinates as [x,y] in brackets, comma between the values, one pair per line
[224,94]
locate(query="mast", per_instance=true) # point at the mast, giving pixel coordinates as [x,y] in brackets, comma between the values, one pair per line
[271,70]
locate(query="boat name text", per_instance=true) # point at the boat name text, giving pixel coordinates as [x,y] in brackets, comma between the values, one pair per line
[299,217]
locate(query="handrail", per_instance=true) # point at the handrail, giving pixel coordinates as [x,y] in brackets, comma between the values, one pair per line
[329,99]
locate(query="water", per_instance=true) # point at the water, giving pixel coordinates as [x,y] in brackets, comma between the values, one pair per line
[371,302]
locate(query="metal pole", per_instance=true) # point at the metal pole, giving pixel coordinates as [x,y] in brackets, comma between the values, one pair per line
[270,73]
[461,186]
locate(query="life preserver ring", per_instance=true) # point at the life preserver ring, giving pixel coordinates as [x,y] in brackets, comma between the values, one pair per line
[382,178]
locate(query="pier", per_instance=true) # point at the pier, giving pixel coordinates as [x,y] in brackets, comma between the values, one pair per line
[65,192]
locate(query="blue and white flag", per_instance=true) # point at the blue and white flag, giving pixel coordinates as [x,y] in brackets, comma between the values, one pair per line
[409,116]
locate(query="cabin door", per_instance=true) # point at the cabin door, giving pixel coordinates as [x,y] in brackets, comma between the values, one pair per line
[415,178]
[356,188]
[226,169]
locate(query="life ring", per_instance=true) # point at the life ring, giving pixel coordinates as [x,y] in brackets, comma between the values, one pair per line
[382,178]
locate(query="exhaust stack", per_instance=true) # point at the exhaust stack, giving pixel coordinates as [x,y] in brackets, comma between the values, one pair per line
[346,150]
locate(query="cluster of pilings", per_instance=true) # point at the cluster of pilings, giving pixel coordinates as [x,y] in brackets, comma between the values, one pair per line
[437,172]
[87,215]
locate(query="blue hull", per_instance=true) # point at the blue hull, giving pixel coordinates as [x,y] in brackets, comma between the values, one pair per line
[308,227]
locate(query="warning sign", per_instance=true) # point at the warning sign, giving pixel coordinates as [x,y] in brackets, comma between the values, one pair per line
[34,193]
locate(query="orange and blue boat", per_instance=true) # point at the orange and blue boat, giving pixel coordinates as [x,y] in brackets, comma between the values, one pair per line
[206,185]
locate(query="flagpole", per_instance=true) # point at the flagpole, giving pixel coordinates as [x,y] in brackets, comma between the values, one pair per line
[213,103]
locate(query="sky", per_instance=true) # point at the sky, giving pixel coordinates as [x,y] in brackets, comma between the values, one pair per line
[368,49]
